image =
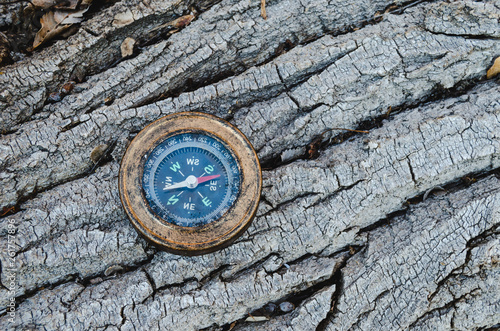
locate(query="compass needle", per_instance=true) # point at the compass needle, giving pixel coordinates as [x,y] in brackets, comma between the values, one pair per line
[177,185]
[207,178]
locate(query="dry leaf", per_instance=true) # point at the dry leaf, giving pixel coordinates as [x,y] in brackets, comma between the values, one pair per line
[61,4]
[44,3]
[50,29]
[494,70]
[177,23]
[56,23]
[69,17]
[127,47]
[182,21]
[124,18]
[67,88]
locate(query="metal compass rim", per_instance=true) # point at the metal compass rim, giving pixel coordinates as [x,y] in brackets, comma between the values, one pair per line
[175,238]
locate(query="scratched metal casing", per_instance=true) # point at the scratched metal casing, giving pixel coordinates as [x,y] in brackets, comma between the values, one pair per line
[189,240]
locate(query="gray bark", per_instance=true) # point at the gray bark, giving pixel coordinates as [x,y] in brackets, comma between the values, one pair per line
[397,228]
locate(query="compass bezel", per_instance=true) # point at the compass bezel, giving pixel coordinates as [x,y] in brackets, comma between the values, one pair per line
[175,238]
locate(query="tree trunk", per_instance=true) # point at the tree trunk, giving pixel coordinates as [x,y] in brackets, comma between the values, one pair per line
[393,228]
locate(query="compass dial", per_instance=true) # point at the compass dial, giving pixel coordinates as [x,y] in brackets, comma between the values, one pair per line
[191,179]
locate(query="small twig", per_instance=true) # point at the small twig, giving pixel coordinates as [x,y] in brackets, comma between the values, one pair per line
[263,9]
[8,210]
[412,4]
[389,110]
[331,129]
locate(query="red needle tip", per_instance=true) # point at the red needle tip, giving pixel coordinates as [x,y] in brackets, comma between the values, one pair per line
[206,178]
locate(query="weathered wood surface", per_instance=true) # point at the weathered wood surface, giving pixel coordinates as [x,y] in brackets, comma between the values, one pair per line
[347,237]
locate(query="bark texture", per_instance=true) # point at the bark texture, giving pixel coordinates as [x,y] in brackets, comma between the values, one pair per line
[396,228]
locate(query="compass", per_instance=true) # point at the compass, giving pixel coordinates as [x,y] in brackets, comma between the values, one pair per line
[190,183]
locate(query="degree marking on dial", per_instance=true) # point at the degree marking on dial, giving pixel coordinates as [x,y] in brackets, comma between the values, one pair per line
[175,166]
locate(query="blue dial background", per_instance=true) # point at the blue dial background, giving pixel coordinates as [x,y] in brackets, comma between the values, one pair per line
[198,155]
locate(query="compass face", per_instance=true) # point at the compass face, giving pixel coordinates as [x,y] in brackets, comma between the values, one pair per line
[191,179]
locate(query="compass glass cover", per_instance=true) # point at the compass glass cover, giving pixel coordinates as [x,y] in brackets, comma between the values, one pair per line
[191,179]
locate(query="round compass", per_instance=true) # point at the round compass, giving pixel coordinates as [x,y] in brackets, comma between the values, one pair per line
[190,183]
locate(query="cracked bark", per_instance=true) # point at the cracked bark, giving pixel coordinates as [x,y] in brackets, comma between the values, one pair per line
[347,236]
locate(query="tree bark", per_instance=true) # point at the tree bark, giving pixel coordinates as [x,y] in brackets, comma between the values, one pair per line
[395,228]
